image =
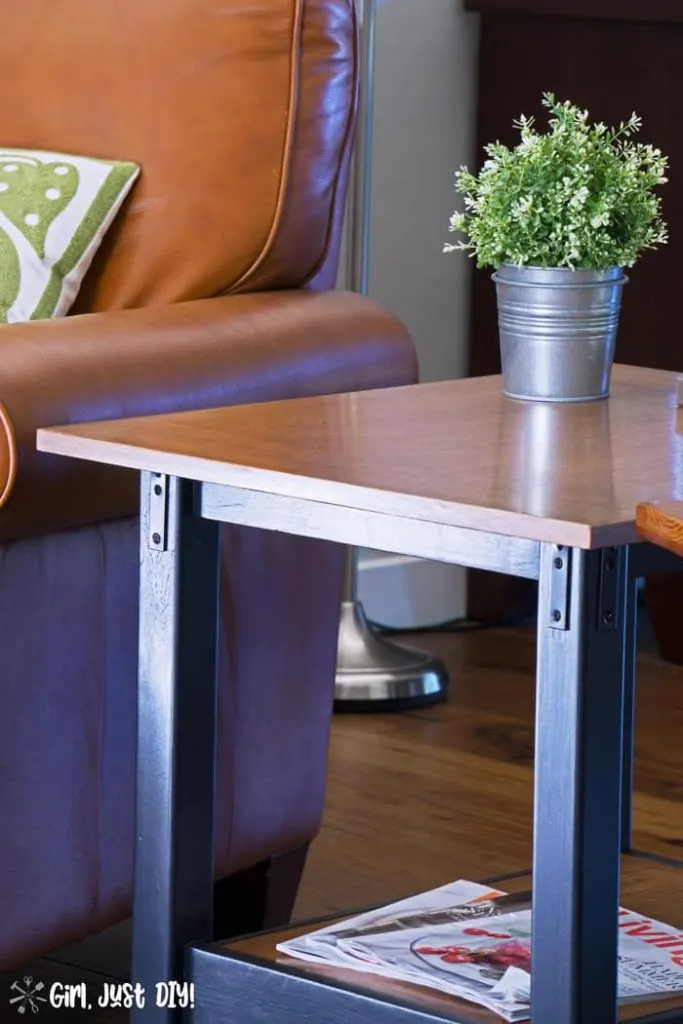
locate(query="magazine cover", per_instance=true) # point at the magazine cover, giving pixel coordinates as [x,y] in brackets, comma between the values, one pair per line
[475,943]
[323,944]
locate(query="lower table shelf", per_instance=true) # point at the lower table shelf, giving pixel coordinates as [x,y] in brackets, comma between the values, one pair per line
[249,982]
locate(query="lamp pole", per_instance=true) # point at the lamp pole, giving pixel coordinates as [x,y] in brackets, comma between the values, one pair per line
[373,673]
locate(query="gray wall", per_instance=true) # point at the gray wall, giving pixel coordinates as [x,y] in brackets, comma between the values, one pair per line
[424,124]
[424,113]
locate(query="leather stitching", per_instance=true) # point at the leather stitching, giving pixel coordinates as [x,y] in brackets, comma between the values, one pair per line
[348,141]
[9,456]
[290,132]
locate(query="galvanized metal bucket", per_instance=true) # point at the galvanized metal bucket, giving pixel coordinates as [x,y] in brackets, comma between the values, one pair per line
[558,329]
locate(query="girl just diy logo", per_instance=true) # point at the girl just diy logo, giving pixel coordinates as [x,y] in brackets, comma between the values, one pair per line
[29,995]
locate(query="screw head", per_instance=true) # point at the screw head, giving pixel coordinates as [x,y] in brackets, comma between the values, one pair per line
[156,538]
[608,617]
[558,563]
[157,489]
[557,615]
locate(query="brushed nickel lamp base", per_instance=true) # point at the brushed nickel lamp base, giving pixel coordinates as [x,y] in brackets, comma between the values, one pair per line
[373,672]
[377,674]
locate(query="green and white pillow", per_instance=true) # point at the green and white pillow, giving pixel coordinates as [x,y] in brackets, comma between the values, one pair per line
[54,212]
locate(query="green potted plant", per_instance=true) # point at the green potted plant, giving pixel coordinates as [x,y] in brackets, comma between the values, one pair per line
[558,218]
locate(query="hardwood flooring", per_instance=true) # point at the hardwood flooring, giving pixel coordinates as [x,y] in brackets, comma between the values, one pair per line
[422,797]
[417,798]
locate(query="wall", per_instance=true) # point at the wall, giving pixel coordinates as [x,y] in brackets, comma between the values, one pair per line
[424,123]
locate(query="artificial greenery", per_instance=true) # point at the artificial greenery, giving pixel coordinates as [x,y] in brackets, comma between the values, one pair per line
[580,196]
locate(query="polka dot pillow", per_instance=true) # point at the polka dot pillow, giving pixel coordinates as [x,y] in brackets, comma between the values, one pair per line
[54,212]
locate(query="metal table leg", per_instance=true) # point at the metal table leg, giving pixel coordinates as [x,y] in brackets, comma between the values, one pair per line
[582,626]
[176,740]
[629,678]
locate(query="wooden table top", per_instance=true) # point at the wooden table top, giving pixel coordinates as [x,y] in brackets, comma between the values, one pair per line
[452,452]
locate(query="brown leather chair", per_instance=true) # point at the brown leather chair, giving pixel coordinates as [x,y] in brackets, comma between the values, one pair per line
[213,287]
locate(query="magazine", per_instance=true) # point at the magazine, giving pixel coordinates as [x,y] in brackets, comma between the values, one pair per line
[474,942]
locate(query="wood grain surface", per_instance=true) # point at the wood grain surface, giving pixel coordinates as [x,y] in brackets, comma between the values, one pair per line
[661,524]
[453,453]
[654,12]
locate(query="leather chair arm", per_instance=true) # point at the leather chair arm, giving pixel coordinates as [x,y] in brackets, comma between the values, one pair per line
[201,354]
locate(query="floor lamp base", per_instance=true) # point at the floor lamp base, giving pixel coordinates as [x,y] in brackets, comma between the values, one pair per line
[376,674]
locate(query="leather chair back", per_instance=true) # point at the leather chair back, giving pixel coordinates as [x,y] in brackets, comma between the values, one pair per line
[240,115]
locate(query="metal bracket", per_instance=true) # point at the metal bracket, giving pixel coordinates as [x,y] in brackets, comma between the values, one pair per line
[608,608]
[559,587]
[158,512]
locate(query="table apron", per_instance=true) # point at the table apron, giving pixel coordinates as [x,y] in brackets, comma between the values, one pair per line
[380,531]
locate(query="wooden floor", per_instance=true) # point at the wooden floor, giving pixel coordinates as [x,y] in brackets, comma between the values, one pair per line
[420,798]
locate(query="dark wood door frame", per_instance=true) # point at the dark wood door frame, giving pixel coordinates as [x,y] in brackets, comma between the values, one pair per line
[611,57]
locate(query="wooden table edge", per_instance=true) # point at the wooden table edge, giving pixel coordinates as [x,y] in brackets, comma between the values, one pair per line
[62,441]
[661,524]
